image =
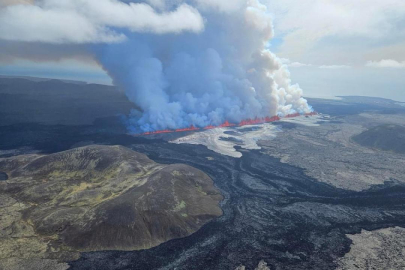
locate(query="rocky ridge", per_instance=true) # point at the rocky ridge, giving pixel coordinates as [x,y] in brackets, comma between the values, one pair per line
[97,198]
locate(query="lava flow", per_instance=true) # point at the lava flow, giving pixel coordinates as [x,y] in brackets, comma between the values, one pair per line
[258,121]
[246,122]
[158,132]
[210,127]
[192,128]
[227,124]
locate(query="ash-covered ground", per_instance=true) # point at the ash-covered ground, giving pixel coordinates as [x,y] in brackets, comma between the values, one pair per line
[296,201]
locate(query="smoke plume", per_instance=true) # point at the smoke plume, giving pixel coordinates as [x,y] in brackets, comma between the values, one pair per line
[183,62]
[224,72]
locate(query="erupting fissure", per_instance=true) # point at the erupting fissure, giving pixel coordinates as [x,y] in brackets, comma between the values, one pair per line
[247,122]
[184,78]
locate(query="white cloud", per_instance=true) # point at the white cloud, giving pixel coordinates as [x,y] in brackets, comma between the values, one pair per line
[316,24]
[334,66]
[298,64]
[15,2]
[386,63]
[90,21]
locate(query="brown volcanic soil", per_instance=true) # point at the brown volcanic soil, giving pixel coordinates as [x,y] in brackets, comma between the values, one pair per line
[98,198]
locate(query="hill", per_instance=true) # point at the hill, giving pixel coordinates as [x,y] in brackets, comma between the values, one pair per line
[383,137]
[55,102]
[98,198]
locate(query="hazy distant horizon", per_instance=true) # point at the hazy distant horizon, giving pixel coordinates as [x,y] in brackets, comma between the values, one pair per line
[72,79]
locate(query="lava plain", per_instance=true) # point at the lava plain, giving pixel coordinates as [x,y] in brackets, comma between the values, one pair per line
[272,212]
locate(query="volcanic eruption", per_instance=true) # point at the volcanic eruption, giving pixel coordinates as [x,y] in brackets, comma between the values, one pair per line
[221,74]
[185,63]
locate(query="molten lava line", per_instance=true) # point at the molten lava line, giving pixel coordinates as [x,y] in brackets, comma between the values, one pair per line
[192,128]
[257,121]
[247,122]
[210,127]
[226,124]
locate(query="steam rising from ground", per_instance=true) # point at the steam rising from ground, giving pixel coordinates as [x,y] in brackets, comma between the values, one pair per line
[183,62]
[224,72]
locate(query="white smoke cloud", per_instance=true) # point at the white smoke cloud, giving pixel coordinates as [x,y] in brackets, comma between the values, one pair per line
[386,63]
[90,21]
[222,73]
[183,62]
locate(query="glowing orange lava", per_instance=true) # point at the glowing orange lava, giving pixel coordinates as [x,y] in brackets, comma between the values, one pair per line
[158,132]
[210,127]
[227,124]
[246,122]
[192,128]
[258,121]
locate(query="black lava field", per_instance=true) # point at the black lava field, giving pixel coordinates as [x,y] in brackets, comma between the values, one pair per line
[272,212]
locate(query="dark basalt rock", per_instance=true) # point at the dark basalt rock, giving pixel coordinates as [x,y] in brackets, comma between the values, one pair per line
[231,139]
[285,125]
[3,176]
